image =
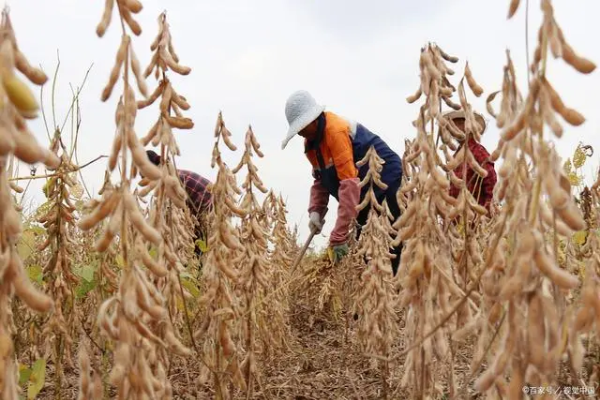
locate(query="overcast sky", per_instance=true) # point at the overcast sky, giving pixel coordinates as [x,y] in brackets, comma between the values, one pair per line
[359,58]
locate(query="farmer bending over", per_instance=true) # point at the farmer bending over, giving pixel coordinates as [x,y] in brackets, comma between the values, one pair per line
[334,145]
[199,198]
[482,189]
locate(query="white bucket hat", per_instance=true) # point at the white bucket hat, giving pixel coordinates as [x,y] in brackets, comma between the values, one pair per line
[300,110]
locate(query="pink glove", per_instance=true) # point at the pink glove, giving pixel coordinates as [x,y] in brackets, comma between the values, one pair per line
[349,195]
[319,198]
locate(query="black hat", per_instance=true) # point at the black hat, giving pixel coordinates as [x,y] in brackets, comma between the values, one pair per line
[153,157]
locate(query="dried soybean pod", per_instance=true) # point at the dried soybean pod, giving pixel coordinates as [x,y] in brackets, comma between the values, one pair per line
[570,115]
[134,6]
[514,128]
[140,158]
[561,228]
[173,65]
[557,275]
[475,88]
[152,265]
[172,49]
[27,148]
[536,333]
[446,56]
[583,319]
[414,97]
[581,64]
[35,299]
[450,103]
[150,67]
[7,141]
[113,158]
[112,230]
[35,75]
[150,100]
[106,17]
[559,199]
[228,141]
[548,114]
[475,165]
[148,188]
[152,133]
[134,213]
[135,67]
[181,101]
[488,103]
[571,215]
[100,212]
[114,75]
[514,6]
[166,98]
[132,23]
[16,188]
[180,123]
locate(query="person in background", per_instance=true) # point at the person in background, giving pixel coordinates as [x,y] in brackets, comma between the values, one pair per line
[482,189]
[333,146]
[199,198]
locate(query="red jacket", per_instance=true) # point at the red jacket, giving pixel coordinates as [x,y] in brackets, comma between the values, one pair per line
[196,186]
[481,188]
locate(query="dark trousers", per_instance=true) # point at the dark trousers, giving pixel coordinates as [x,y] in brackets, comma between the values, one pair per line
[392,202]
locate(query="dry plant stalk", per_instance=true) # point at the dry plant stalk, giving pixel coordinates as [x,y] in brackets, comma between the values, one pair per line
[59,223]
[221,277]
[429,288]
[466,242]
[532,292]
[135,317]
[169,213]
[280,260]
[90,382]
[255,270]
[377,298]
[17,105]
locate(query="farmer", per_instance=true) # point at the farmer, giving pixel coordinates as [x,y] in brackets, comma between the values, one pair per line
[482,189]
[333,146]
[199,198]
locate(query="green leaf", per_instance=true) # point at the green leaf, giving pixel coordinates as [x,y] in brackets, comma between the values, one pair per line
[84,288]
[567,166]
[580,237]
[37,230]
[579,157]
[574,179]
[24,374]
[34,272]
[77,190]
[120,261]
[87,272]
[191,288]
[36,379]
[44,208]
[202,245]
[26,245]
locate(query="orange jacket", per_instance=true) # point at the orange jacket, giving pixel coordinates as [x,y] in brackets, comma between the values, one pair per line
[336,149]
